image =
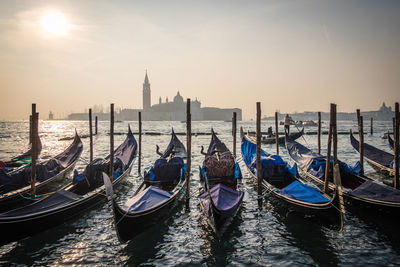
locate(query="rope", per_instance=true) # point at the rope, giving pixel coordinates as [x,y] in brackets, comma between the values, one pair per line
[37,197]
[29,198]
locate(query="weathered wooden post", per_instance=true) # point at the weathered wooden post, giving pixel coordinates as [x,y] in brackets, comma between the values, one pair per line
[258,154]
[396,146]
[90,136]
[189,146]
[372,126]
[95,126]
[140,143]
[328,153]
[334,135]
[276,133]
[31,129]
[112,142]
[34,155]
[319,133]
[361,138]
[234,133]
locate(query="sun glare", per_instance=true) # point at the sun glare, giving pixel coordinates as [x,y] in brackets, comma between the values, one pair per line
[54,22]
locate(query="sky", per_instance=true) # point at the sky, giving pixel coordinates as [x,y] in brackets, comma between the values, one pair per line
[291,56]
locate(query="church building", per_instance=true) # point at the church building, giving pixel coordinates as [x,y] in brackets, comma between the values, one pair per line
[175,110]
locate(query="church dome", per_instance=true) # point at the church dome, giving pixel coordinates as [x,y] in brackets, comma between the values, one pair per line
[178,98]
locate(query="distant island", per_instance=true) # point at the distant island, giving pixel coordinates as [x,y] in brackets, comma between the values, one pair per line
[171,111]
[384,113]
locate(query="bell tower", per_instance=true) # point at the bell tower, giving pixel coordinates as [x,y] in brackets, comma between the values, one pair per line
[146,93]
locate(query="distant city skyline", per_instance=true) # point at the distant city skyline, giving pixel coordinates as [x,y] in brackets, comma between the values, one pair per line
[291,56]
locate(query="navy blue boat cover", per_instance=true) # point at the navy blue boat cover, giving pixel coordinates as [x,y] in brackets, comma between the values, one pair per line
[303,192]
[45,170]
[148,198]
[377,191]
[375,154]
[269,162]
[166,171]
[224,198]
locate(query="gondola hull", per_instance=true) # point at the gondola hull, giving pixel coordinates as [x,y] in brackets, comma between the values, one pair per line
[15,228]
[220,220]
[382,207]
[327,213]
[378,159]
[18,197]
[129,225]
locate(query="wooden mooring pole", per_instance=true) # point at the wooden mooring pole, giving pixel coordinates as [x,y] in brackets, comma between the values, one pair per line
[334,135]
[90,136]
[112,142]
[140,143]
[396,146]
[30,129]
[319,133]
[95,126]
[258,154]
[328,153]
[276,133]
[188,146]
[372,126]
[234,131]
[34,155]
[361,139]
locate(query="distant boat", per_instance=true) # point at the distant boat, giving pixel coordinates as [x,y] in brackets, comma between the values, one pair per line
[391,142]
[309,123]
[272,139]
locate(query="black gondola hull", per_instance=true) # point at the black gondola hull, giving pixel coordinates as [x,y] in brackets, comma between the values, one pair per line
[15,228]
[130,225]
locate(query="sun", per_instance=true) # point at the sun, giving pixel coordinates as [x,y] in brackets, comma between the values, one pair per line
[54,22]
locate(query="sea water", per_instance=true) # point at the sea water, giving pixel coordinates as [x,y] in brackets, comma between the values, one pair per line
[266,236]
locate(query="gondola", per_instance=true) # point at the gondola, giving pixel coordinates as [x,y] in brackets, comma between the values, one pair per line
[391,142]
[15,186]
[271,139]
[23,159]
[174,145]
[163,187]
[85,191]
[358,190]
[220,176]
[280,181]
[380,160]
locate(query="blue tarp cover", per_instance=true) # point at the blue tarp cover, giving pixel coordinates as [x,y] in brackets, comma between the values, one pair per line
[224,198]
[147,199]
[268,162]
[377,191]
[303,192]
[166,171]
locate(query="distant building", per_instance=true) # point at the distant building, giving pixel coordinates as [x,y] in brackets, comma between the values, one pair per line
[171,111]
[51,115]
[384,113]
